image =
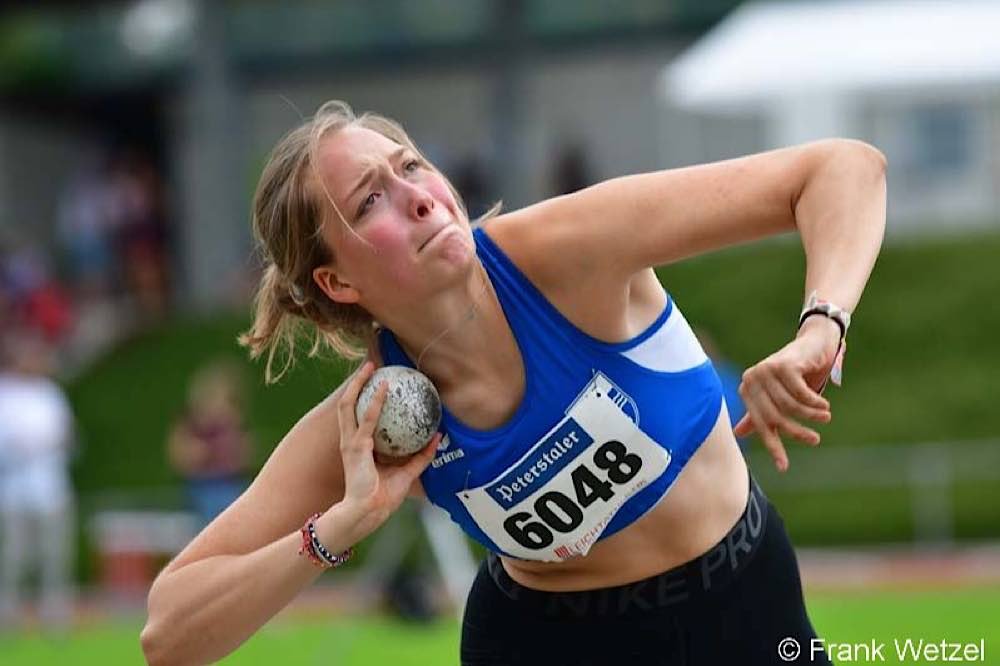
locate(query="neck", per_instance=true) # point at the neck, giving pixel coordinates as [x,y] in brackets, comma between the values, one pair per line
[458,335]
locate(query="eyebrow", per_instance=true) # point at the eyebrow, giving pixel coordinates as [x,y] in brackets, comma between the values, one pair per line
[370,173]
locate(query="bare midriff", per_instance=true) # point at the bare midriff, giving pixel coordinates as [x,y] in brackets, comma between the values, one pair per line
[707,499]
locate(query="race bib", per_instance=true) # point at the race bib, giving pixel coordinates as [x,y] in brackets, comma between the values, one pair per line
[554,503]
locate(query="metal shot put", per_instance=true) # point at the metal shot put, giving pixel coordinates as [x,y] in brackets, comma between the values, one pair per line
[410,415]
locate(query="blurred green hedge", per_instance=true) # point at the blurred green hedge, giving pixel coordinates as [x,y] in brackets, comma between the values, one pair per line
[923,356]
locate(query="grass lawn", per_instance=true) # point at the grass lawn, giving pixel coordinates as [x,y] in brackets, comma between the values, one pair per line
[962,615]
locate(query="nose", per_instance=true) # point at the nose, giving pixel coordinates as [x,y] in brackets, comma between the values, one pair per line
[420,202]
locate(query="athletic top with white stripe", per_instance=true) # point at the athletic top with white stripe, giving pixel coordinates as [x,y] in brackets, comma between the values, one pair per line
[599,438]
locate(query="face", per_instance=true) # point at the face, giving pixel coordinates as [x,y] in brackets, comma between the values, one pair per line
[409,234]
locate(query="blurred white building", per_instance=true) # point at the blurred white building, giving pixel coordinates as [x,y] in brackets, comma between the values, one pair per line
[919,79]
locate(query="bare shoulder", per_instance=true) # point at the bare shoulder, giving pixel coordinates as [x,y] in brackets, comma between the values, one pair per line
[304,474]
[543,240]
[600,299]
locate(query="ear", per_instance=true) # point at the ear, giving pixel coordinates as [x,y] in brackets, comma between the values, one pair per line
[336,290]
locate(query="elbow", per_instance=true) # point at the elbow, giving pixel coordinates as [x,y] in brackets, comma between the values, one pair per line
[158,636]
[153,645]
[873,156]
[160,647]
[868,158]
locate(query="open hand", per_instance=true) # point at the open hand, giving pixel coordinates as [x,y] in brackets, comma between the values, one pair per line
[784,388]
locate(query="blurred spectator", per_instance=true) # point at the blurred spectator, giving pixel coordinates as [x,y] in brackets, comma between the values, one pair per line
[6,285]
[37,507]
[136,208]
[410,596]
[33,298]
[570,171]
[730,375]
[111,236]
[209,446]
[91,211]
[85,231]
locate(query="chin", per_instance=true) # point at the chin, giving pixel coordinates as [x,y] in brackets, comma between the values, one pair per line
[457,247]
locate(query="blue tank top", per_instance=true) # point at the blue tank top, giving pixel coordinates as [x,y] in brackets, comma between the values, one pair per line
[599,438]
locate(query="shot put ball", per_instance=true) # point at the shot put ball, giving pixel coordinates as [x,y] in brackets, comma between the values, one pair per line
[411,413]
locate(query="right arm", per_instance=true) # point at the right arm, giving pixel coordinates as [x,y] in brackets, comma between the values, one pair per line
[244,567]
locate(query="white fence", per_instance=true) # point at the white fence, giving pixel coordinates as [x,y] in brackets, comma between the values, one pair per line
[134,524]
[929,470]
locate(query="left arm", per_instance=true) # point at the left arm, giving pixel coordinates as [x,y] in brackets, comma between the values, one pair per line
[833,192]
[840,215]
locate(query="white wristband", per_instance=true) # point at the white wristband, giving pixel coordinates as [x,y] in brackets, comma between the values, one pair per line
[816,305]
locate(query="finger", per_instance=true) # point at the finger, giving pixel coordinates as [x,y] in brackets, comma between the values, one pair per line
[416,465]
[774,445]
[776,420]
[400,461]
[358,382]
[399,478]
[801,390]
[796,430]
[362,440]
[743,427]
[767,437]
[767,432]
[349,400]
[370,419]
[765,415]
[749,391]
[390,461]
[788,404]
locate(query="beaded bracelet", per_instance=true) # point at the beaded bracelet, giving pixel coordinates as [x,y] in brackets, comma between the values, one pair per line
[313,549]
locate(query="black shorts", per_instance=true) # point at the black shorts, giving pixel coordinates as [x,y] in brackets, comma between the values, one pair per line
[733,605]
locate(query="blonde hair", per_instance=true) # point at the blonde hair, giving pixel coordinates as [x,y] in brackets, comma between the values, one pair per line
[288,218]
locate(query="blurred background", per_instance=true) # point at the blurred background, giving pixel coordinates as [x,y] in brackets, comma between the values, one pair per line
[131,137]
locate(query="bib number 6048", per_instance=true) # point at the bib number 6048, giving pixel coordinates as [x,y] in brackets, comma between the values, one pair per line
[564,514]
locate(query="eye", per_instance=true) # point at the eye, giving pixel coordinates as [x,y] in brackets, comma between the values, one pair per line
[411,165]
[368,203]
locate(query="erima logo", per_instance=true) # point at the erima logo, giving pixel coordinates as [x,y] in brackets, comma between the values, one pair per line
[445,456]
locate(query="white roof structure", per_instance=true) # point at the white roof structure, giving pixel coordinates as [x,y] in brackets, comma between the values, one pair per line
[767,51]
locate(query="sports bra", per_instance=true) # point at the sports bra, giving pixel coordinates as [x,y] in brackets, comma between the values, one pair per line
[599,438]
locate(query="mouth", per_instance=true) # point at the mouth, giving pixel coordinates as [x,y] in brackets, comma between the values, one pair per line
[432,237]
